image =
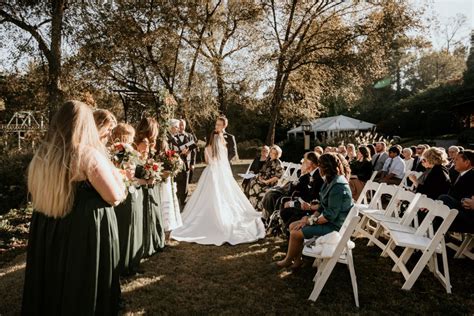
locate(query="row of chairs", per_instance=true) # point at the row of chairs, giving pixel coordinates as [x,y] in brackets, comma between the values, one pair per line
[387,216]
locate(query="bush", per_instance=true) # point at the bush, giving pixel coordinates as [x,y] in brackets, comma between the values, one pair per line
[13,188]
[293,150]
[466,138]
[249,149]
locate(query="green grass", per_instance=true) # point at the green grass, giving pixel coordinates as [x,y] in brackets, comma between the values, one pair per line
[241,280]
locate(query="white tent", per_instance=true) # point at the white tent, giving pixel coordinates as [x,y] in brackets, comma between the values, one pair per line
[333,125]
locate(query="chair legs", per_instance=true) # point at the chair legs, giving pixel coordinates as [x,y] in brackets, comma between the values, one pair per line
[350,265]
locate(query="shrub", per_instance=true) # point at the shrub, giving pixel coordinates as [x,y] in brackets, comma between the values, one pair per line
[249,149]
[466,138]
[13,191]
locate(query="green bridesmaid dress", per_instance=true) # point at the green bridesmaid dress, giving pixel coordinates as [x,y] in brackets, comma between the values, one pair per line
[153,230]
[72,262]
[130,229]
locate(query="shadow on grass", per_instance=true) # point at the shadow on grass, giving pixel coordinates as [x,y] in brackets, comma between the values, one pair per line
[240,279]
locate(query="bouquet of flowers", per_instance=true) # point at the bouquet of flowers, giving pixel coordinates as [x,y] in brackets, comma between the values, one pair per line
[171,162]
[124,156]
[152,170]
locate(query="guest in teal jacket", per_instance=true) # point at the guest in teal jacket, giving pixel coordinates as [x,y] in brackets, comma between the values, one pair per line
[335,204]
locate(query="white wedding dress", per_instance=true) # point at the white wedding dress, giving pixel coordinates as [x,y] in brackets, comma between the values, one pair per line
[218,211]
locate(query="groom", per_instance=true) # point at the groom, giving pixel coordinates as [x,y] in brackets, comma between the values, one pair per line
[221,125]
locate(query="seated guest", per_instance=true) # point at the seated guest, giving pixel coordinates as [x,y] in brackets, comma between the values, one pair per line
[361,171]
[393,170]
[307,189]
[407,158]
[342,150]
[351,153]
[256,166]
[417,165]
[319,150]
[273,198]
[461,192]
[452,152]
[335,203]
[268,177]
[380,156]
[435,180]
[371,149]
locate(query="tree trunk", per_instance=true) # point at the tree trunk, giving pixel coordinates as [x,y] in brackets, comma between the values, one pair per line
[220,87]
[55,93]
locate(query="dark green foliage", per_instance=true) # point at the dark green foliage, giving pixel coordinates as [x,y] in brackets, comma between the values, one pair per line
[13,185]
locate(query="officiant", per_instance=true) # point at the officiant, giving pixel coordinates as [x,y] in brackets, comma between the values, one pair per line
[193,152]
[184,144]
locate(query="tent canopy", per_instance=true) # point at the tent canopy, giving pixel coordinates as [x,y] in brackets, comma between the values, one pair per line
[335,124]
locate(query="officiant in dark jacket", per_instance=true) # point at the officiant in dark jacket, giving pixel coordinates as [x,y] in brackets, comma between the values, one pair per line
[181,143]
[193,150]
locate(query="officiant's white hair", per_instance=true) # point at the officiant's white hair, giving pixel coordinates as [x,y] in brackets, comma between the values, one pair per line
[174,123]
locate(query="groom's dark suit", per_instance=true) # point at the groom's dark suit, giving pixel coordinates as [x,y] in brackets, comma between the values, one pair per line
[231,145]
[182,179]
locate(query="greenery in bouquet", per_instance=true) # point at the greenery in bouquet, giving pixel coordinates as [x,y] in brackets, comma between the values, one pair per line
[125,158]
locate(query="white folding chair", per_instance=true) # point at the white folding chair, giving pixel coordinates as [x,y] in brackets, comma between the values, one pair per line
[391,215]
[372,177]
[368,192]
[294,174]
[342,254]
[464,249]
[286,174]
[404,182]
[376,205]
[428,242]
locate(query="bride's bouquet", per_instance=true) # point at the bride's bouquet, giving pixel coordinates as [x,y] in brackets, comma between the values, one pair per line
[171,162]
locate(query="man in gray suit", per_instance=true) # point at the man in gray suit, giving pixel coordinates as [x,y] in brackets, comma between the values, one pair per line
[378,160]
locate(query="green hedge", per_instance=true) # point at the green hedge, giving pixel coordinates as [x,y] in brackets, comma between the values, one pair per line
[13,186]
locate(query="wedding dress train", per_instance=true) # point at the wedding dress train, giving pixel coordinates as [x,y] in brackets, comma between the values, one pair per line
[218,211]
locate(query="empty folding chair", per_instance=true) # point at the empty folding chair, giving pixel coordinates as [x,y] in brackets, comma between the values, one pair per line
[391,215]
[425,239]
[376,205]
[342,253]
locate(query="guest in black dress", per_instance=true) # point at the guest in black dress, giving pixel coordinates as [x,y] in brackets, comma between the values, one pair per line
[361,171]
[73,251]
[256,166]
[435,179]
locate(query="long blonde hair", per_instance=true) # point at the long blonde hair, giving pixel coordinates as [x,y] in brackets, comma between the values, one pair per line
[55,167]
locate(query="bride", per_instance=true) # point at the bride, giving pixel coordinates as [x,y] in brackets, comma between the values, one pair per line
[218,211]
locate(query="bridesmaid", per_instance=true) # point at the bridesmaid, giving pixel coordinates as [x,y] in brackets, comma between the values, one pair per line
[73,251]
[105,122]
[129,214]
[153,230]
[171,212]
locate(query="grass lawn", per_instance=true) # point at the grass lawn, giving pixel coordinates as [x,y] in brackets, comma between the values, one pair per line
[229,280]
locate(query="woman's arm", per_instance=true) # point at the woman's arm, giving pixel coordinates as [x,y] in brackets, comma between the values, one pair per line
[105,178]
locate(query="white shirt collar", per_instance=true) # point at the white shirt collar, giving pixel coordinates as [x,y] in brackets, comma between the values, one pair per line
[312,172]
